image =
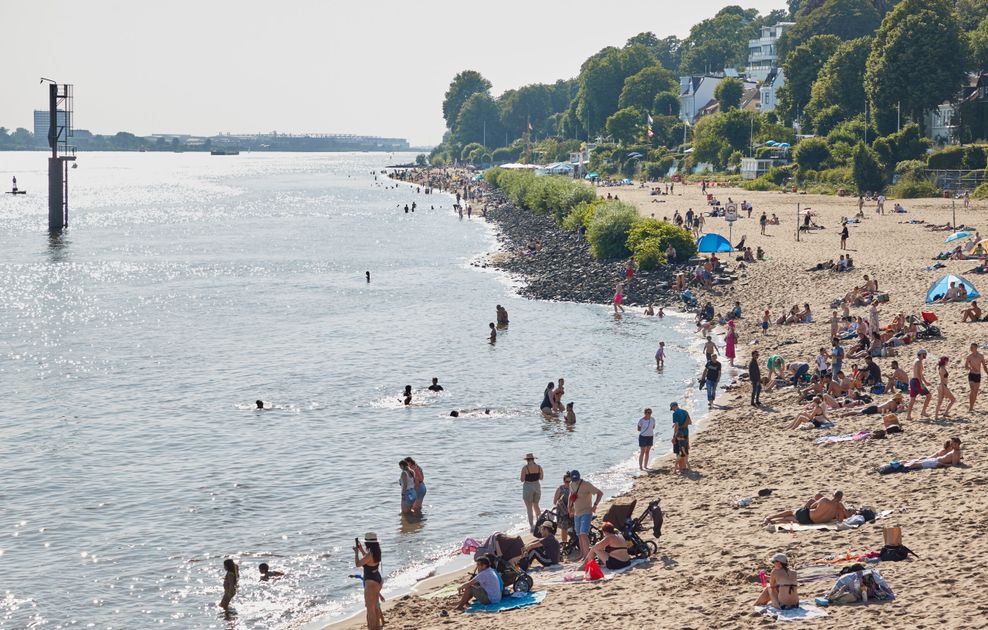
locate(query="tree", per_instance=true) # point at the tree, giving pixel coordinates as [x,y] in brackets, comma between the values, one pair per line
[530,103]
[464,85]
[666,104]
[866,171]
[478,121]
[908,144]
[666,51]
[639,89]
[847,19]
[917,59]
[625,125]
[728,93]
[978,39]
[970,13]
[841,81]
[720,41]
[716,136]
[601,80]
[812,154]
[801,69]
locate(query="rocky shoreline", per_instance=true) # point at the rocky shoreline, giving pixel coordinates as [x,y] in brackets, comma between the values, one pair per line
[563,268]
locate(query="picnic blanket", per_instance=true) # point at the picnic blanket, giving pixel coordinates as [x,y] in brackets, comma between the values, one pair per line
[842,437]
[576,577]
[517,600]
[833,525]
[806,610]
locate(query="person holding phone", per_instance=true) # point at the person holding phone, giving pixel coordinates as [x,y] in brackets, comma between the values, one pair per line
[369,559]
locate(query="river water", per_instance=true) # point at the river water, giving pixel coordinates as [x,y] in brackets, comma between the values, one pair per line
[187,286]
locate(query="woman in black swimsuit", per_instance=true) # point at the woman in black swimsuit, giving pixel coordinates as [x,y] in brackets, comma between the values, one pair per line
[612,549]
[546,405]
[370,560]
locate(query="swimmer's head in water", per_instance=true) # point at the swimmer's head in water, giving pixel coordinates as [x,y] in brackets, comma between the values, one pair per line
[259,403]
[408,389]
[435,380]
[263,567]
[454,413]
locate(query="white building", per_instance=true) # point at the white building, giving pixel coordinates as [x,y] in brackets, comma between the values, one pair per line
[696,94]
[769,89]
[762,54]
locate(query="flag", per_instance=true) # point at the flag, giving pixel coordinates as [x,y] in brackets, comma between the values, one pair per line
[649,132]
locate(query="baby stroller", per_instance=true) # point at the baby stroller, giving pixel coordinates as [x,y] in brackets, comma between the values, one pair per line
[926,328]
[504,556]
[621,516]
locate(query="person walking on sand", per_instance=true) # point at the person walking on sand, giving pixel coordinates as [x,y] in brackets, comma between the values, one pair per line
[660,356]
[729,341]
[531,493]
[918,386]
[711,376]
[230,583]
[755,376]
[763,221]
[943,390]
[681,437]
[973,364]
[646,435]
[618,297]
[583,500]
[369,559]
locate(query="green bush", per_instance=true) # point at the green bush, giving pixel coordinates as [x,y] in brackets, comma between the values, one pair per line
[981,192]
[975,158]
[947,158]
[649,254]
[867,172]
[581,214]
[911,188]
[909,168]
[552,195]
[504,155]
[608,230]
[761,183]
[654,170]
[780,174]
[665,233]
[812,154]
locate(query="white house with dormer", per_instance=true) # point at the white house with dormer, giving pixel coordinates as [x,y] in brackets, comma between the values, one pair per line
[763,56]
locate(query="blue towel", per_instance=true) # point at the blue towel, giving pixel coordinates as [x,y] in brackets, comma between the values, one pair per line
[517,600]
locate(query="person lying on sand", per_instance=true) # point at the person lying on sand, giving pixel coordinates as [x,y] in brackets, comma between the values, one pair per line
[893,404]
[817,510]
[950,455]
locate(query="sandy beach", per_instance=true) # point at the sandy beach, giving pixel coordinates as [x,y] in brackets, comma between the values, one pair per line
[706,572]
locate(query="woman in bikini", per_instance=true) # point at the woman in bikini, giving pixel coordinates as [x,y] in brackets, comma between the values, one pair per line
[369,559]
[943,390]
[782,591]
[612,549]
[557,398]
[816,413]
[618,297]
[531,479]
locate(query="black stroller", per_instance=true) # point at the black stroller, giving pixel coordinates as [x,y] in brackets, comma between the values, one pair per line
[504,554]
[621,516]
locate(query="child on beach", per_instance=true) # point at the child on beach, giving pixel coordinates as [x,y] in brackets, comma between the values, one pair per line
[765,319]
[660,356]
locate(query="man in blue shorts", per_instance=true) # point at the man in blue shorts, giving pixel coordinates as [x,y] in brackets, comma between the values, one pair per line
[582,505]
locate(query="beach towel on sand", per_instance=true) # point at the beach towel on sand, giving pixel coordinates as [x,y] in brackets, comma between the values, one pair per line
[806,610]
[843,437]
[573,576]
[834,525]
[517,600]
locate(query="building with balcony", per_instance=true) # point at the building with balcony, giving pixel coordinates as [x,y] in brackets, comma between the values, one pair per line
[762,53]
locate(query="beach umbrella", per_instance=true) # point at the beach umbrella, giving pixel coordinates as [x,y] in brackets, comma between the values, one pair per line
[958,235]
[712,243]
[771,143]
[939,288]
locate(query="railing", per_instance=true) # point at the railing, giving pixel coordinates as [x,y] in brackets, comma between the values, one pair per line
[956,180]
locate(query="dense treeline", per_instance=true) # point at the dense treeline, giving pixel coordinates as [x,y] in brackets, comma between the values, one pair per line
[859,74]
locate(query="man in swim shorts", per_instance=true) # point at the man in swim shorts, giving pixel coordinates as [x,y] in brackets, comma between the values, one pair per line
[918,386]
[581,506]
[680,436]
[974,363]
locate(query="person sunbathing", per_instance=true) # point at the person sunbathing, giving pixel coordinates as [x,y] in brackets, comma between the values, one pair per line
[840,385]
[782,590]
[893,404]
[898,380]
[950,455]
[972,313]
[890,423]
[612,549]
[815,413]
[816,511]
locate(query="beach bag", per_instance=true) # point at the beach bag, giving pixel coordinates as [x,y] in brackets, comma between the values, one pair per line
[895,553]
[593,572]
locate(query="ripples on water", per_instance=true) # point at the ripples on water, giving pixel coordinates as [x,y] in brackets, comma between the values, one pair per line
[132,458]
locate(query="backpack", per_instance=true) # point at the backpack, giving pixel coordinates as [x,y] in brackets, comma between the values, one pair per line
[895,553]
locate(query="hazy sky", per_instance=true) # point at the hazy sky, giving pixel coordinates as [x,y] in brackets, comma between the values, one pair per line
[376,68]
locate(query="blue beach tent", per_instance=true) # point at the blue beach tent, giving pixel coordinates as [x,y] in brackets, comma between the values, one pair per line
[712,243]
[939,288]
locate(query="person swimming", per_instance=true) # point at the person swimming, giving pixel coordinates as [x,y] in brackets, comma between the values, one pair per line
[407,395]
[259,403]
[456,414]
[267,573]
[435,387]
